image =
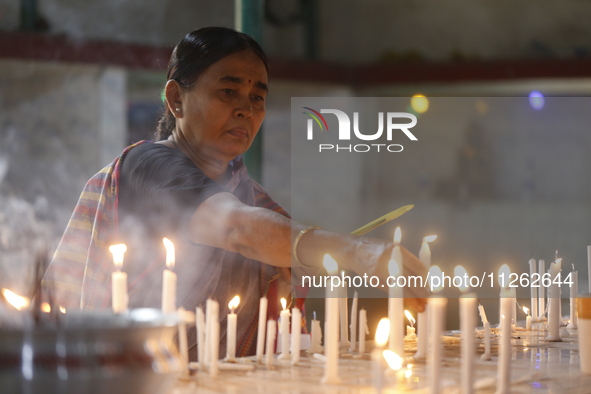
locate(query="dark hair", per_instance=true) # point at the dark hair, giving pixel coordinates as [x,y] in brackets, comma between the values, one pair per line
[194,54]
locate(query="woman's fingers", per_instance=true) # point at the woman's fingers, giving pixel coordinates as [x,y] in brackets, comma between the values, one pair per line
[416,303]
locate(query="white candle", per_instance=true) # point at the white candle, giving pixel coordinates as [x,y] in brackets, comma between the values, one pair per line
[200,336]
[482,314]
[437,306]
[296,335]
[486,326]
[344,313]
[504,364]
[363,330]
[533,290]
[554,303]
[527,318]
[353,325]
[331,330]
[284,330]
[169,280]
[467,325]
[271,328]
[574,290]
[410,330]
[423,321]
[261,329]
[395,309]
[183,345]
[377,359]
[119,298]
[316,336]
[231,330]
[213,312]
[541,290]
[208,322]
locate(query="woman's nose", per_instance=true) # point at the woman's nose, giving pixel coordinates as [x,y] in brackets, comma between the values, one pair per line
[244,108]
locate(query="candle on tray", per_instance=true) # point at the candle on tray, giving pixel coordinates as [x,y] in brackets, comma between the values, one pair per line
[271,328]
[410,330]
[169,280]
[467,326]
[504,362]
[423,321]
[200,316]
[344,313]
[331,330]
[353,324]
[395,308]
[284,329]
[541,290]
[213,312]
[554,303]
[437,306]
[231,330]
[183,345]
[574,290]
[533,290]
[119,298]
[316,336]
[486,326]
[377,357]
[296,335]
[363,330]
[261,329]
[527,318]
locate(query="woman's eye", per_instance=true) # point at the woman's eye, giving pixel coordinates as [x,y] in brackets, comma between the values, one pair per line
[228,91]
[258,98]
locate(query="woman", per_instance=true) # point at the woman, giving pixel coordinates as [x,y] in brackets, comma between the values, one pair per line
[192,187]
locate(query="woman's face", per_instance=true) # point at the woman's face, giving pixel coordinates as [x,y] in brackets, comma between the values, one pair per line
[223,111]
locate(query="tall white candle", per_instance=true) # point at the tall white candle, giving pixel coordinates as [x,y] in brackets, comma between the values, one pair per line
[316,336]
[353,325]
[554,303]
[296,335]
[467,325]
[422,320]
[261,329]
[284,330]
[119,298]
[208,322]
[533,290]
[169,280]
[200,336]
[331,331]
[183,345]
[541,290]
[410,330]
[271,329]
[363,330]
[344,313]
[574,290]
[231,330]
[486,326]
[395,309]
[213,310]
[527,318]
[437,306]
[504,363]
[377,359]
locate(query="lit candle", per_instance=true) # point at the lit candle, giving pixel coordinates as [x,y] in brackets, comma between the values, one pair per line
[395,310]
[17,301]
[541,290]
[169,280]
[533,290]
[331,331]
[118,280]
[344,314]
[423,321]
[353,325]
[554,303]
[208,329]
[363,330]
[296,335]
[200,336]
[504,363]
[527,318]
[467,326]
[231,330]
[486,326]
[503,279]
[437,306]
[261,329]
[213,312]
[377,358]
[271,329]
[183,345]
[284,330]
[574,290]
[394,361]
[410,330]
[316,336]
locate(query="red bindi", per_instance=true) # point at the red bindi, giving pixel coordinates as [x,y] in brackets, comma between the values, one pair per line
[249,81]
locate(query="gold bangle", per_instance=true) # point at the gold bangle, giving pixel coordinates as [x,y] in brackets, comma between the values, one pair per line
[296,242]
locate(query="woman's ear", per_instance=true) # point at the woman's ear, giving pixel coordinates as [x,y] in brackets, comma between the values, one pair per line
[172,92]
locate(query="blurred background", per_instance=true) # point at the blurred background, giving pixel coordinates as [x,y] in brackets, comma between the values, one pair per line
[79,80]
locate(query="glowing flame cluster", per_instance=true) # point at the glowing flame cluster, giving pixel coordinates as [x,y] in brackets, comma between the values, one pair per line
[382,332]
[234,302]
[17,301]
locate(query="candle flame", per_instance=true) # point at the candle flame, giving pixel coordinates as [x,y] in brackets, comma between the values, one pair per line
[284,303]
[526,310]
[430,238]
[394,361]
[234,302]
[15,300]
[45,307]
[330,264]
[408,372]
[460,272]
[118,251]
[411,319]
[382,332]
[397,236]
[504,273]
[393,268]
[62,309]
[169,252]
[435,271]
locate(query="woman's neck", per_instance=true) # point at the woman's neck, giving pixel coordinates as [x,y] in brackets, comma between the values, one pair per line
[212,167]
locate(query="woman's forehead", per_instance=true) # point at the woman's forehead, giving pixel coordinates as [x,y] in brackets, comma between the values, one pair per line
[239,67]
